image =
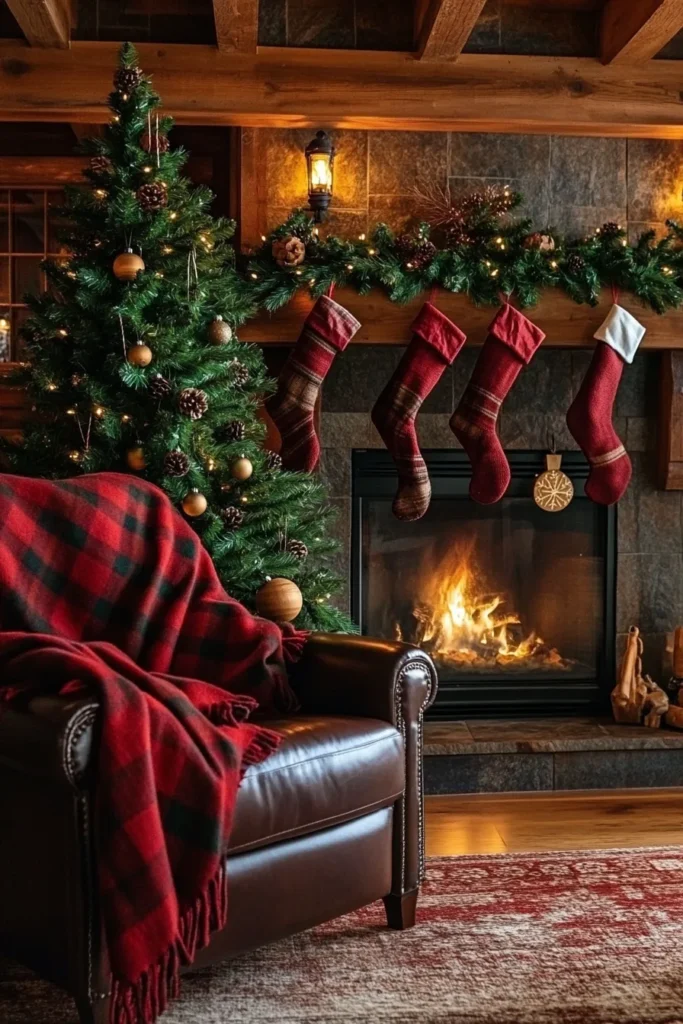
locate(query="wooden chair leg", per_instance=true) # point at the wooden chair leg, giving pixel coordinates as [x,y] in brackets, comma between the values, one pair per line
[400,910]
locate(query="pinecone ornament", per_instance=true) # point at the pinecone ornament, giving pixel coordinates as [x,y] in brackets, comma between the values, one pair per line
[232,517]
[127,79]
[239,374]
[610,229]
[297,548]
[150,142]
[575,263]
[176,463]
[289,251]
[159,388]
[234,431]
[193,402]
[273,461]
[416,253]
[152,196]
[100,164]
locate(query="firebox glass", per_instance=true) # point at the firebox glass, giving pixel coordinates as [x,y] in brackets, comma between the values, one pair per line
[505,591]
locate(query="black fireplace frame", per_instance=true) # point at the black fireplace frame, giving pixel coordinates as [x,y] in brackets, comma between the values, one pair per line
[374,476]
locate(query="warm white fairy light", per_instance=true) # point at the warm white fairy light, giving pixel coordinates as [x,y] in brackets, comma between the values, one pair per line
[63,333]
[172,214]
[159,273]
[553,264]
[409,265]
[254,277]
[98,411]
[667,271]
[51,386]
[125,418]
[494,272]
[75,456]
[349,266]
[116,118]
[167,250]
[298,273]
[361,237]
[71,412]
[100,193]
[263,238]
[371,252]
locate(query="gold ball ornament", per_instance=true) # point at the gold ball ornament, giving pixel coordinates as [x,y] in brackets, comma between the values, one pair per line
[128,265]
[135,458]
[219,332]
[553,490]
[194,503]
[241,469]
[140,354]
[279,599]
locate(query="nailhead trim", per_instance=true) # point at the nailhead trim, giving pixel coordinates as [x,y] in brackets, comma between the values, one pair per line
[78,725]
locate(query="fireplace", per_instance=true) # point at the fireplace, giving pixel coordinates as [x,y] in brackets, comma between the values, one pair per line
[515,605]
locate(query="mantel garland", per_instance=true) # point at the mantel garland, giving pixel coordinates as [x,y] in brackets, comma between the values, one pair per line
[474,249]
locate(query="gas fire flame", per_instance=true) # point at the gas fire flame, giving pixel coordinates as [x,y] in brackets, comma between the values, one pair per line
[470,630]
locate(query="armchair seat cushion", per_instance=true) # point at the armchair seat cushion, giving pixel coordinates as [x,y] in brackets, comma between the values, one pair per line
[327,770]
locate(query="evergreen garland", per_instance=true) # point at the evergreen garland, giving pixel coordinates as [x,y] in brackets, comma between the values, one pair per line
[482,253]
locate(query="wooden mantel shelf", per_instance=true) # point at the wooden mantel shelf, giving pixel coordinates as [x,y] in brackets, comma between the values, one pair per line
[565,323]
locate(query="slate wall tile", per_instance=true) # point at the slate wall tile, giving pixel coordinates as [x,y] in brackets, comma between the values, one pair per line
[488,773]
[320,23]
[649,592]
[553,32]
[272,23]
[384,24]
[399,160]
[634,769]
[649,519]
[485,37]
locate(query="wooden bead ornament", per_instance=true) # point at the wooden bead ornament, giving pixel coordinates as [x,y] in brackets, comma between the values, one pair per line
[279,599]
[135,458]
[140,354]
[128,265]
[241,469]
[194,503]
[219,332]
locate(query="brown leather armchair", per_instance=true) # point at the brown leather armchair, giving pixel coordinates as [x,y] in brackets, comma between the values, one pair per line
[329,823]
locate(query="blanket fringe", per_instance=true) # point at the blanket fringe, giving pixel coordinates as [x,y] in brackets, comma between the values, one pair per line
[293,642]
[143,1001]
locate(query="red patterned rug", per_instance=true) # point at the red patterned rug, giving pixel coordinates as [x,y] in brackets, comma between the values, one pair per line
[569,938]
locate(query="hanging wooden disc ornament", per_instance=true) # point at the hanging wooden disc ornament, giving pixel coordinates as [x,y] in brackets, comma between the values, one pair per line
[128,265]
[553,490]
[279,599]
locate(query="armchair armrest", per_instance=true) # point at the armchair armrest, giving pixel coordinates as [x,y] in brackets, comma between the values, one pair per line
[49,737]
[341,674]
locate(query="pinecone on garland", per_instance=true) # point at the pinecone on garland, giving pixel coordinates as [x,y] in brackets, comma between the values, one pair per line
[127,79]
[232,517]
[233,431]
[575,263]
[273,461]
[193,402]
[610,229]
[152,196]
[100,164]
[239,374]
[415,253]
[297,548]
[159,388]
[176,463]
[289,251]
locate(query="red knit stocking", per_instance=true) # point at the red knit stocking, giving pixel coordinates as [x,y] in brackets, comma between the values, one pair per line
[510,345]
[435,344]
[328,330]
[590,415]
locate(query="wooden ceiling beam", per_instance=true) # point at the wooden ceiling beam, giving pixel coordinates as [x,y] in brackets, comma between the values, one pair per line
[236,25]
[346,89]
[44,22]
[633,31]
[444,26]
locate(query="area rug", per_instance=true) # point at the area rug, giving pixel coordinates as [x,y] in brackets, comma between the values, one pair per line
[563,938]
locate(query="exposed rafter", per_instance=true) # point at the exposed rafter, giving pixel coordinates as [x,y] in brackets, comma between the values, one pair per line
[236,25]
[444,26]
[43,22]
[353,89]
[635,30]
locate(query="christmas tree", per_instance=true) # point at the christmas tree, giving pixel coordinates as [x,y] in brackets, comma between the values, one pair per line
[135,365]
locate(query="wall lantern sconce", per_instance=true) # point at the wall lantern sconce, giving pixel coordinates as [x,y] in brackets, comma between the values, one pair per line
[319,165]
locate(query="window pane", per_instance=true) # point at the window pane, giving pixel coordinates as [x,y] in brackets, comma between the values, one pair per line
[19,316]
[4,221]
[28,221]
[54,222]
[4,280]
[28,278]
[5,336]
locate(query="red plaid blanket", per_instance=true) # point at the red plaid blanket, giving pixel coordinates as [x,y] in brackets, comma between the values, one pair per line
[104,587]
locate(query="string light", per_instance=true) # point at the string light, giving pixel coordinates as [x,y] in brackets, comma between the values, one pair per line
[371,252]
[63,333]
[51,387]
[100,193]
[167,250]
[487,263]
[98,411]
[125,418]
[97,243]
[75,456]
[254,277]
[263,238]
[124,96]
[211,465]
[361,237]
[624,242]
[71,412]
[311,281]
[172,214]
[147,169]
[244,499]
[409,265]
[116,118]
[298,273]
[349,266]
[667,271]
[553,264]
[315,232]
[159,273]
[72,274]
[494,272]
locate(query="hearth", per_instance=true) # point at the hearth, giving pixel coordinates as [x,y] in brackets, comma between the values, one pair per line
[515,605]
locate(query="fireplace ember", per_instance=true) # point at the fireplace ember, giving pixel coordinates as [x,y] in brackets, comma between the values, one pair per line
[459,622]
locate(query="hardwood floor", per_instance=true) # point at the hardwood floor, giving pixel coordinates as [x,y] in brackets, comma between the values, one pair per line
[518,823]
